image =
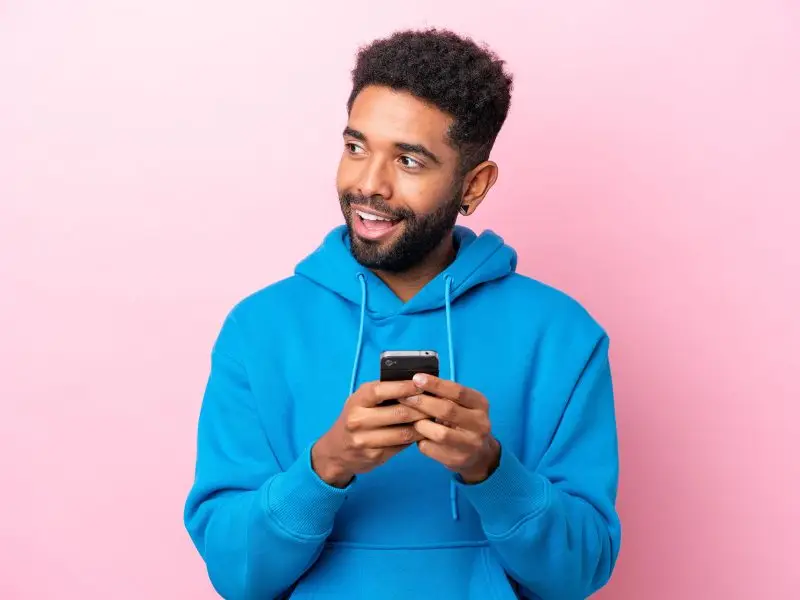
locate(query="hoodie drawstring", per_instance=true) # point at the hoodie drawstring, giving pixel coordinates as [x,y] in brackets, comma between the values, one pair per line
[451,359]
[447,281]
[360,342]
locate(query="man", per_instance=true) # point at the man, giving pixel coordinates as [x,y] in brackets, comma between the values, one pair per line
[497,480]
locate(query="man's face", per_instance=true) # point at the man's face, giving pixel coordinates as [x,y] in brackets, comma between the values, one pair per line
[397,181]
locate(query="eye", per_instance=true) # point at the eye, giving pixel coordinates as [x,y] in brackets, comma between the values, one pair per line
[353,148]
[412,163]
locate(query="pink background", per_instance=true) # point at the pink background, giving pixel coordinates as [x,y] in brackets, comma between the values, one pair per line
[159,160]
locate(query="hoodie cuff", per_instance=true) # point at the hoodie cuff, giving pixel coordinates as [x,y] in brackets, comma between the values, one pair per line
[301,502]
[508,496]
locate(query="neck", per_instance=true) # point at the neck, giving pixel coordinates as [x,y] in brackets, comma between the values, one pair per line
[407,284]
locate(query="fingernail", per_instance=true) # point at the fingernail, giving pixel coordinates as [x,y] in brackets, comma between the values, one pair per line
[420,379]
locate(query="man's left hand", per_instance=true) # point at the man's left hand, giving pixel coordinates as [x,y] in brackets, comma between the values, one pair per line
[461,436]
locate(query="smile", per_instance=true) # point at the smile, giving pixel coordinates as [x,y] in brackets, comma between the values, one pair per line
[373,226]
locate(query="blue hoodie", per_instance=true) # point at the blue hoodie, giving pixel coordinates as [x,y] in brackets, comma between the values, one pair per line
[543,525]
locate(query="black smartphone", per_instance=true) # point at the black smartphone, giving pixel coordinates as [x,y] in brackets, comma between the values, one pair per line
[402,365]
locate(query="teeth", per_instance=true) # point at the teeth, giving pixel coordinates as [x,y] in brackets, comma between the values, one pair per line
[370,217]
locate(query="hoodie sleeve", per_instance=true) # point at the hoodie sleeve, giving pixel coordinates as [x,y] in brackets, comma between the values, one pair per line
[554,525]
[258,527]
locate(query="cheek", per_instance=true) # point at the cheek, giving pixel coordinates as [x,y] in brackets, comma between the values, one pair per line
[423,196]
[349,172]
[343,176]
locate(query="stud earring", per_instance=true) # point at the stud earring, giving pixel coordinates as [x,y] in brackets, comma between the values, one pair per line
[464,209]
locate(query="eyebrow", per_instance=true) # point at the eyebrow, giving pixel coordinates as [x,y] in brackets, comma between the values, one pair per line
[404,146]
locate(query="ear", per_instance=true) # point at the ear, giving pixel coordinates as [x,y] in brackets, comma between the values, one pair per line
[477,183]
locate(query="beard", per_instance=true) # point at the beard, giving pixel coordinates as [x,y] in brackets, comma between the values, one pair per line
[418,237]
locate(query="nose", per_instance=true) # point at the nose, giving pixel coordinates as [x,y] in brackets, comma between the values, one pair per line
[374,179]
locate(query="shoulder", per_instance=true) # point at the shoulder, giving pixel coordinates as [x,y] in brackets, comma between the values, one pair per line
[553,308]
[261,306]
[282,292]
[261,314]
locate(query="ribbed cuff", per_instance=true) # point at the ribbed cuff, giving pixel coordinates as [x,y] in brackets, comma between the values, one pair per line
[301,502]
[508,496]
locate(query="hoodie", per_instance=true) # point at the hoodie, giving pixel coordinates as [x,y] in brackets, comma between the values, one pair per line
[543,525]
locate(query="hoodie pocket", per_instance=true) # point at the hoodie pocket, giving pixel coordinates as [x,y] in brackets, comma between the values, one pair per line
[496,585]
[445,573]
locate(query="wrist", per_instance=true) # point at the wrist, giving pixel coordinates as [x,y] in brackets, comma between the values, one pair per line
[486,466]
[325,465]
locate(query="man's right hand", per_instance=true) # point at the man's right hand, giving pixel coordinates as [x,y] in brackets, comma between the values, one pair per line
[366,435]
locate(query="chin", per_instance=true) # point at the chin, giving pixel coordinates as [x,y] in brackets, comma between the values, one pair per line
[371,254]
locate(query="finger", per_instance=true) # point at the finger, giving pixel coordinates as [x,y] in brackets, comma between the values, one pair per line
[392,451]
[387,437]
[451,390]
[446,436]
[372,394]
[441,408]
[445,455]
[361,418]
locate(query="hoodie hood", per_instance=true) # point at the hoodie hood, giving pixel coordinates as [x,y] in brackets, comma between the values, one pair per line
[479,259]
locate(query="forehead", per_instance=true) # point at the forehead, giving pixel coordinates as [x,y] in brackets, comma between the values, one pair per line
[389,116]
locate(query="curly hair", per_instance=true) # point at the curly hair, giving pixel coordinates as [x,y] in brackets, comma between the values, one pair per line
[454,73]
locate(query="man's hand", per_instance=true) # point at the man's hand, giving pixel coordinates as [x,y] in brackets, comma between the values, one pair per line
[461,436]
[366,435]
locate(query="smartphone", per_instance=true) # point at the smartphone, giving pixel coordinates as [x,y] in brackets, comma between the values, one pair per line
[402,365]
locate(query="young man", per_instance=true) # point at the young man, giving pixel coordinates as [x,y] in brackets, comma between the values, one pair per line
[497,480]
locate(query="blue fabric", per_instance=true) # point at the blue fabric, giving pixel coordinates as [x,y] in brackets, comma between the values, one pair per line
[543,525]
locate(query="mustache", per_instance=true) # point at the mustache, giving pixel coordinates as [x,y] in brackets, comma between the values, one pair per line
[376,203]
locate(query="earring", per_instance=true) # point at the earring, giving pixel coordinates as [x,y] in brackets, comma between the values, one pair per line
[464,209]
